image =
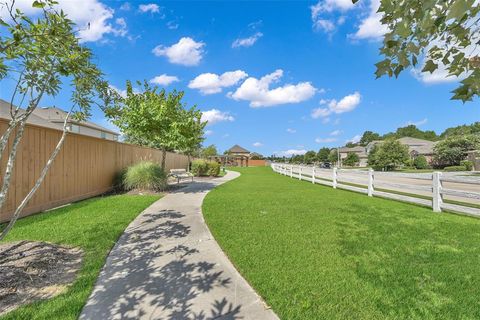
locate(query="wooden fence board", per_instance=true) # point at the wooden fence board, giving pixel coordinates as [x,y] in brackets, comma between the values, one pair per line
[85,167]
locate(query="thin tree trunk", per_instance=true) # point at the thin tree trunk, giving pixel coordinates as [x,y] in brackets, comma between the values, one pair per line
[39,181]
[164,158]
[22,121]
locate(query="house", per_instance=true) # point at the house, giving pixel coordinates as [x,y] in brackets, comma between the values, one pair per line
[236,150]
[415,146]
[359,150]
[55,115]
[54,118]
[418,147]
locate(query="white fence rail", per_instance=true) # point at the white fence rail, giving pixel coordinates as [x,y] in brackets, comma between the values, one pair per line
[436,190]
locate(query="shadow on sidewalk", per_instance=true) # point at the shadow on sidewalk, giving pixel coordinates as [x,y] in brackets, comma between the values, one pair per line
[135,283]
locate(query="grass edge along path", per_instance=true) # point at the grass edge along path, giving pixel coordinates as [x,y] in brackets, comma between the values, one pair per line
[313,252]
[94,225]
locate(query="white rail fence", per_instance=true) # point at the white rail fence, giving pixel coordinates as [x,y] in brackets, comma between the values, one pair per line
[436,190]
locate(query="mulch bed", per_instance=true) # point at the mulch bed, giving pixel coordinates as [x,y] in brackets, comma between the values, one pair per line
[31,270]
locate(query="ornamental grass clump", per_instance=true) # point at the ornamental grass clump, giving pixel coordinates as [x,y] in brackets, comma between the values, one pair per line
[145,175]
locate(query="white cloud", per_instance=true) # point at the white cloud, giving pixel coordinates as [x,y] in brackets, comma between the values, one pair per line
[121,92]
[125,6]
[324,25]
[416,123]
[186,52]
[151,7]
[92,17]
[209,83]
[355,139]
[289,130]
[208,133]
[164,80]
[346,104]
[318,11]
[213,116]
[258,91]
[257,144]
[325,140]
[247,42]
[172,25]
[290,152]
[371,27]
[336,133]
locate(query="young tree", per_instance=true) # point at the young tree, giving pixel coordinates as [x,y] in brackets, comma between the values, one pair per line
[191,132]
[351,159]
[157,119]
[444,32]
[420,162]
[209,151]
[322,154]
[389,155]
[451,151]
[310,157]
[333,156]
[41,55]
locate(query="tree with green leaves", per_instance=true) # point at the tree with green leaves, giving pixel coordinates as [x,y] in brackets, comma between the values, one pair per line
[351,160]
[369,136]
[443,33]
[209,151]
[420,162]
[333,156]
[41,56]
[157,119]
[322,154]
[310,157]
[451,151]
[389,155]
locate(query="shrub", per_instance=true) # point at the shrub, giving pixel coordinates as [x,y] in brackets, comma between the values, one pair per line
[420,162]
[213,168]
[118,180]
[145,176]
[199,167]
[467,164]
[351,160]
[455,168]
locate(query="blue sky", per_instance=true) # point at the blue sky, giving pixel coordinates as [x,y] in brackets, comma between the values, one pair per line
[275,77]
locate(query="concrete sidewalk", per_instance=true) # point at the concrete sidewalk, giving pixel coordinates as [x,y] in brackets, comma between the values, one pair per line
[168,266]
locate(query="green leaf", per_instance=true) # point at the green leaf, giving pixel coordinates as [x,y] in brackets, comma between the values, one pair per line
[430,66]
[3,23]
[38,4]
[457,10]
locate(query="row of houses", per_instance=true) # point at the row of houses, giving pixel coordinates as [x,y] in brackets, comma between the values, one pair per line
[53,117]
[415,146]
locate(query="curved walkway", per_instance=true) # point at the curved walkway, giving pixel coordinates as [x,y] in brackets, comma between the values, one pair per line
[168,266]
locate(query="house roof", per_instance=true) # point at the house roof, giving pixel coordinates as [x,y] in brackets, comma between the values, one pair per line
[361,151]
[56,115]
[237,149]
[32,119]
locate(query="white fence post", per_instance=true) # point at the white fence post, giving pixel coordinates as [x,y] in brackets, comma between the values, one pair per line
[313,174]
[334,184]
[291,171]
[300,173]
[437,192]
[370,182]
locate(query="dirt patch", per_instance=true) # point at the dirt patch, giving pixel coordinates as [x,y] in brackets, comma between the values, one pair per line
[32,270]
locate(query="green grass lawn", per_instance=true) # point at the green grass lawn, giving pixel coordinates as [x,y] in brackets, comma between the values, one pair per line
[313,252]
[93,225]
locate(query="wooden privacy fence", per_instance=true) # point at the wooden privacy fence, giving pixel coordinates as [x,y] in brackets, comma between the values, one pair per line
[437,190]
[85,167]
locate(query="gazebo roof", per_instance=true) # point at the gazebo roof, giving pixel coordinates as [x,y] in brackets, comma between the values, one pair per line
[237,149]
